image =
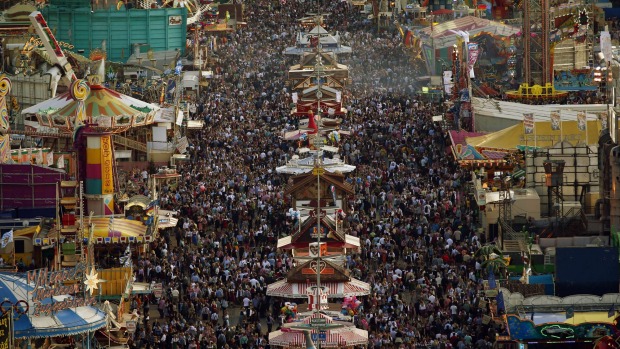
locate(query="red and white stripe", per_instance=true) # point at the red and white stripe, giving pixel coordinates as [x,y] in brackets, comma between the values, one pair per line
[335,289]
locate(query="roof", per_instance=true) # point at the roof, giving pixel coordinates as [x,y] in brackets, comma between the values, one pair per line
[119,227]
[283,288]
[318,30]
[543,137]
[302,180]
[306,165]
[514,111]
[472,25]
[306,271]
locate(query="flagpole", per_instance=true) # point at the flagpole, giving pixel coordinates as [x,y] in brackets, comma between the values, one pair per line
[561,131]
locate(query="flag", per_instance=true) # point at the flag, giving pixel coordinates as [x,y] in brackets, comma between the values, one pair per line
[501,306]
[60,163]
[49,158]
[151,207]
[7,238]
[528,123]
[555,120]
[581,121]
[612,311]
[492,282]
[570,312]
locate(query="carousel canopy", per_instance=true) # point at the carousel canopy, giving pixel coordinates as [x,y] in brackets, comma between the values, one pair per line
[69,321]
[332,339]
[107,108]
[285,289]
[62,100]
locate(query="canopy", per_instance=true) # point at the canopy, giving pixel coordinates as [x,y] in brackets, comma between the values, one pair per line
[106,108]
[306,165]
[64,99]
[542,137]
[285,289]
[447,31]
[333,339]
[118,230]
[14,287]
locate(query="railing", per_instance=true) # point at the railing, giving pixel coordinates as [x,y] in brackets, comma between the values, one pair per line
[508,231]
[129,143]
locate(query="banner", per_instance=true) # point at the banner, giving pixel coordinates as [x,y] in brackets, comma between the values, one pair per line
[107,161]
[606,46]
[49,160]
[581,121]
[602,116]
[473,51]
[528,123]
[60,163]
[39,157]
[5,330]
[555,120]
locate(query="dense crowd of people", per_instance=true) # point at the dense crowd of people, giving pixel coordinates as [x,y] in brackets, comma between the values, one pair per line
[416,223]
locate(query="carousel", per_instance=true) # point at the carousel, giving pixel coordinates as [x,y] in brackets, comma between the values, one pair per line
[46,307]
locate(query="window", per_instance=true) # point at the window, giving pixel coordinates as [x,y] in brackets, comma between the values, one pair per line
[19,246]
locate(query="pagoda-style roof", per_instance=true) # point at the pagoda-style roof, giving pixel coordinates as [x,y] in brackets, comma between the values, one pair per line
[306,271]
[300,182]
[338,72]
[305,236]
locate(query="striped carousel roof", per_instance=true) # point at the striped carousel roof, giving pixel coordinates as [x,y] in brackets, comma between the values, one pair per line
[350,336]
[335,289]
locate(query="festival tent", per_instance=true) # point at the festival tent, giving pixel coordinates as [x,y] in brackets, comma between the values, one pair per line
[543,136]
[15,289]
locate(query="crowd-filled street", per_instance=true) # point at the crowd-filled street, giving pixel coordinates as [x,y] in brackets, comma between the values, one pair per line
[417,225]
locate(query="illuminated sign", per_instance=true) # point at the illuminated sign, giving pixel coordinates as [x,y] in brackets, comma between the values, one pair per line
[107,179]
[48,284]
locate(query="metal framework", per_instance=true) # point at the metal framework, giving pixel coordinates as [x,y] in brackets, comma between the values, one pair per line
[537,69]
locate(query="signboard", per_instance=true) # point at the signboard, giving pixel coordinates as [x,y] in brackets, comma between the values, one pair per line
[131,326]
[318,171]
[50,284]
[158,290]
[107,162]
[175,20]
[318,141]
[5,330]
[311,270]
[182,144]
[318,321]
[322,336]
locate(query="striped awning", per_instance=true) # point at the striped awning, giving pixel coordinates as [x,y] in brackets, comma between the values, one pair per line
[285,289]
[349,336]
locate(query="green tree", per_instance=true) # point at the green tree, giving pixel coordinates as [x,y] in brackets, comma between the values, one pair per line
[492,259]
